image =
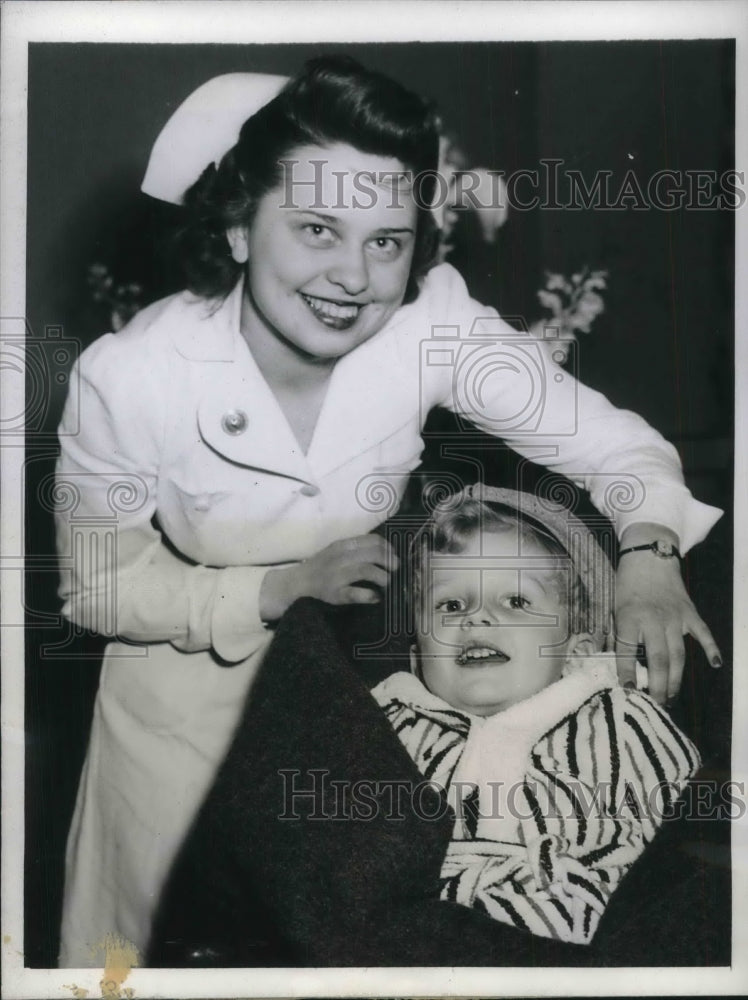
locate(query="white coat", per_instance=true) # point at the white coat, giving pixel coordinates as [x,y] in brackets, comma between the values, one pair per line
[180,482]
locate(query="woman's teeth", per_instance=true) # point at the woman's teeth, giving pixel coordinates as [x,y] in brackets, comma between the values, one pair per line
[478,653]
[333,314]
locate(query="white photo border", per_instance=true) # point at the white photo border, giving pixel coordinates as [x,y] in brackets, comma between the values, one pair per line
[191,21]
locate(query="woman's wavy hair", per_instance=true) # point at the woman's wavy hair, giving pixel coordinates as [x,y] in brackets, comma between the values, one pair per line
[333,100]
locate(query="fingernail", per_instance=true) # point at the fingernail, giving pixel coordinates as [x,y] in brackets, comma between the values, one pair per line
[630,686]
[716,661]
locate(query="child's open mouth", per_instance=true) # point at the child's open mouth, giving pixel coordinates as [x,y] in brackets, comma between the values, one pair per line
[480,656]
[336,315]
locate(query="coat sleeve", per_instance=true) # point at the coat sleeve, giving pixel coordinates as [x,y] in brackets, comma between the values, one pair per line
[505,382]
[118,575]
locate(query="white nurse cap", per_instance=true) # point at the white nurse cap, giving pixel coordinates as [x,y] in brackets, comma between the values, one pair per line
[204,127]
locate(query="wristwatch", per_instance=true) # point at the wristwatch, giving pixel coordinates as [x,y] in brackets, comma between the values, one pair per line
[661,548]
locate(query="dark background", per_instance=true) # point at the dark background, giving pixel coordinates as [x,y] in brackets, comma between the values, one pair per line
[663,348]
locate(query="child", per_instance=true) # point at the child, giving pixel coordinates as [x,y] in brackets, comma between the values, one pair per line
[559,776]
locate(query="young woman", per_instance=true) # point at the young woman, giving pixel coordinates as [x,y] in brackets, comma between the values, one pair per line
[224,454]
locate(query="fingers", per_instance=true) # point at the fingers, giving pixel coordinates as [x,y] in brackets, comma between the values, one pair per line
[626,670]
[369,548]
[658,663]
[355,570]
[677,659]
[349,585]
[627,640]
[700,631]
[359,595]
[369,573]
[665,655]
[655,610]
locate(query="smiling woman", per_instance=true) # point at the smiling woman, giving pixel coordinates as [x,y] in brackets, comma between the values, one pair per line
[348,266]
[232,429]
[320,284]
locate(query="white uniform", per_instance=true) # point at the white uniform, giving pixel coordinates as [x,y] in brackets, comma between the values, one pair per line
[170,432]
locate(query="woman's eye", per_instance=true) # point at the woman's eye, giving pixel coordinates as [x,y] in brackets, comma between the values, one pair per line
[318,235]
[385,247]
[451,605]
[517,602]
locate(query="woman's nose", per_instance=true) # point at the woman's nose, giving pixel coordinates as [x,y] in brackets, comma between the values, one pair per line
[350,271]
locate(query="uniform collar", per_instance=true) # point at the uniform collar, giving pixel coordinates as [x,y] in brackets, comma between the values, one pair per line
[238,415]
[355,415]
[210,329]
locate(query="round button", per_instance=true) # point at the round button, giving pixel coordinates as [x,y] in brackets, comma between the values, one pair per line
[234,422]
[309,490]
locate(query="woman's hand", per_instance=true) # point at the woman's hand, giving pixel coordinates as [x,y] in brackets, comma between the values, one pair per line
[653,608]
[350,571]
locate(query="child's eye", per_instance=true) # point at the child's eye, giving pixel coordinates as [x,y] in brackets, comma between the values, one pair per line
[451,605]
[517,602]
[385,247]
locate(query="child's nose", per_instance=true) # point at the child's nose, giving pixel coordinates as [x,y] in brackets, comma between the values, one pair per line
[479,618]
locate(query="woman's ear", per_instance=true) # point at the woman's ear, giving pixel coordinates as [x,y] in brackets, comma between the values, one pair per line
[237,237]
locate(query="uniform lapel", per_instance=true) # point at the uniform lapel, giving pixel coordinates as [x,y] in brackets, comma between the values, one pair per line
[367,400]
[368,397]
[237,413]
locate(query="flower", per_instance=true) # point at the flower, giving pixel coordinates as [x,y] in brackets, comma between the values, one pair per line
[123,300]
[574,303]
[484,193]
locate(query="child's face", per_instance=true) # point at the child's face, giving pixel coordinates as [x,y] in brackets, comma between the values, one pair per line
[493,628]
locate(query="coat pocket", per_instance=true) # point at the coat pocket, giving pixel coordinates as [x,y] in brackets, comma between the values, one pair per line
[190,516]
[195,505]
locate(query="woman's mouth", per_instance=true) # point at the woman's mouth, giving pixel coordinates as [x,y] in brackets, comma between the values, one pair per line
[336,315]
[481,656]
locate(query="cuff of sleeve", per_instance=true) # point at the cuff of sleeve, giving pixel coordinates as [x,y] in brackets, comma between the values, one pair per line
[236,627]
[690,519]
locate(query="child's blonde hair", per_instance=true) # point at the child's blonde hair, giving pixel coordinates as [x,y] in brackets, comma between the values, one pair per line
[587,590]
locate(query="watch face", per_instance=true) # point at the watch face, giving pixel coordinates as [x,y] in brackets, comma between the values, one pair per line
[663,549]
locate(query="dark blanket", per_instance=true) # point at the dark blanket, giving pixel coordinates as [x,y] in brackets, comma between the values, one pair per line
[347,874]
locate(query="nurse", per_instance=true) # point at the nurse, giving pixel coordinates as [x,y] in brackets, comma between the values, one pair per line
[222,454]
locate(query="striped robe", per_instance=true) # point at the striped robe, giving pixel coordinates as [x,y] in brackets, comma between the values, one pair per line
[554,798]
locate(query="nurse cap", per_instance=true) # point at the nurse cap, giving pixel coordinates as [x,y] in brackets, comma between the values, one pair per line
[588,559]
[203,128]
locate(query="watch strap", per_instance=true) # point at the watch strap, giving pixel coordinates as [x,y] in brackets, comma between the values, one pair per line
[662,549]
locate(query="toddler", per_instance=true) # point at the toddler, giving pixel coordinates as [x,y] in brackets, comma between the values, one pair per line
[558,775]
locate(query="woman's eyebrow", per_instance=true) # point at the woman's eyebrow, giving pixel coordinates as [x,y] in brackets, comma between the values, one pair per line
[335,220]
[330,219]
[387,230]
